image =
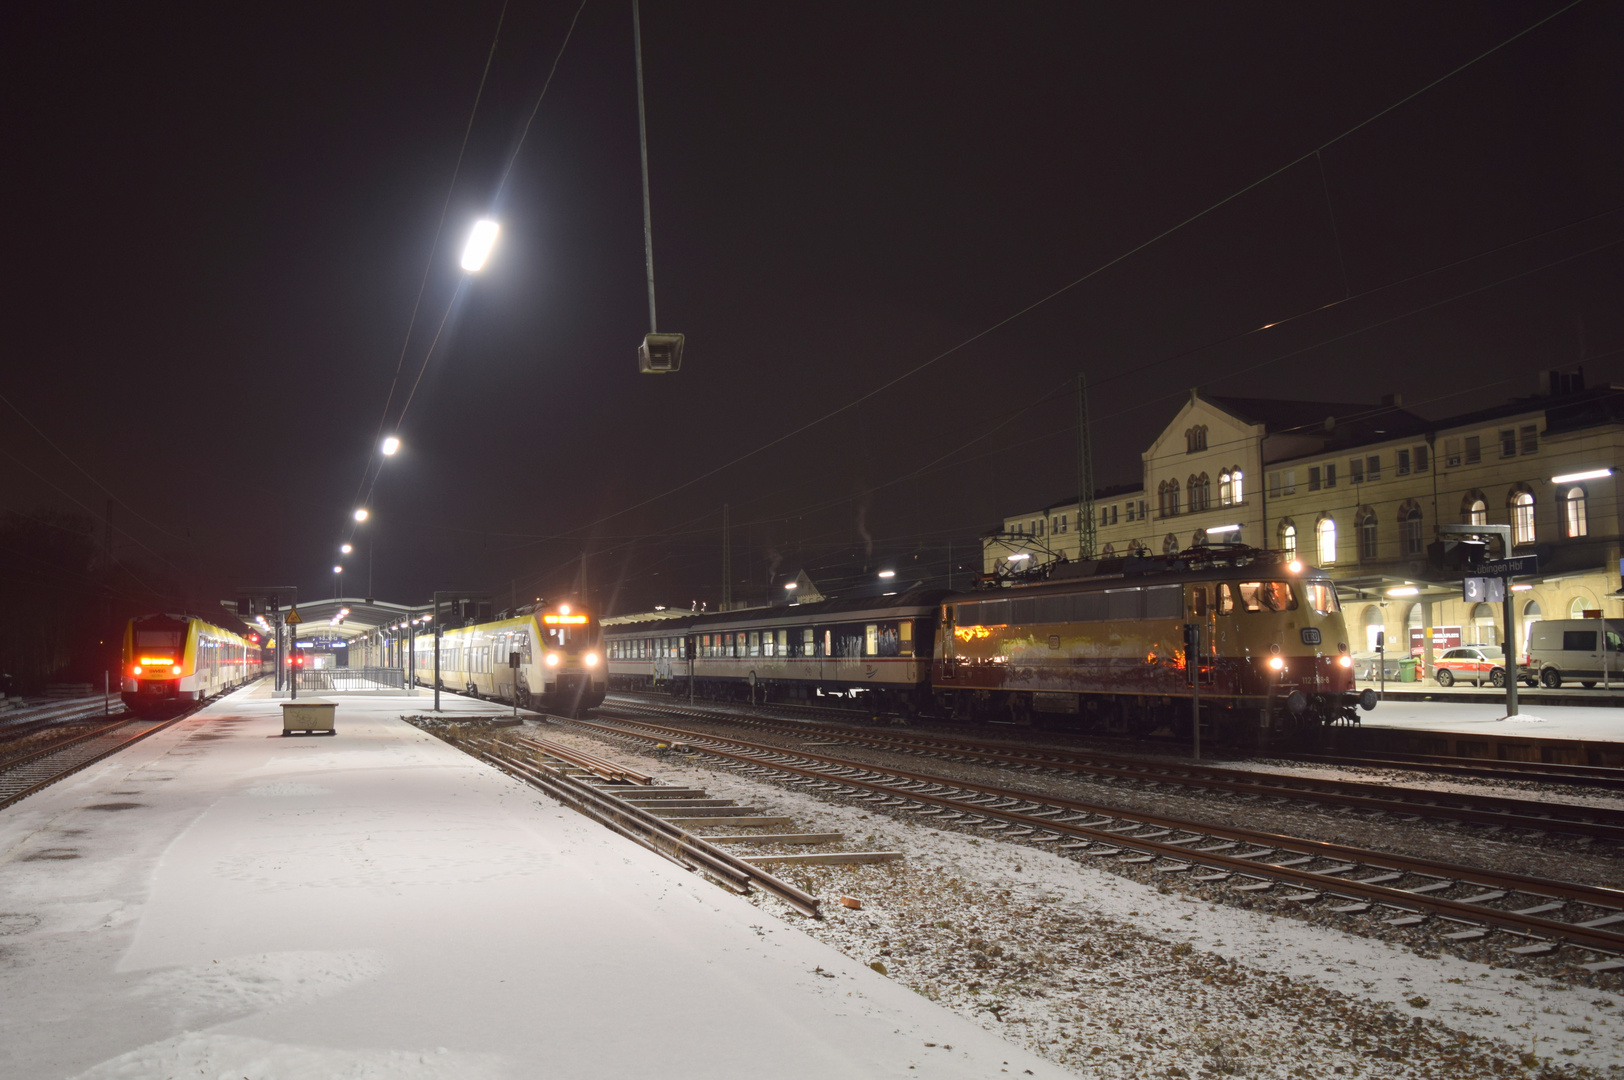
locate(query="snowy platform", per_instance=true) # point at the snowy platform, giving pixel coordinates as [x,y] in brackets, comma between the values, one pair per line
[1574,734]
[222,901]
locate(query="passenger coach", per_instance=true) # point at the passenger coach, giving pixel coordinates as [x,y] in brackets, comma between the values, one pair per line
[873,649]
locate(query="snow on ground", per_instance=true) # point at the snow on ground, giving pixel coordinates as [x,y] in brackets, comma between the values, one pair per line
[1116,978]
[219,901]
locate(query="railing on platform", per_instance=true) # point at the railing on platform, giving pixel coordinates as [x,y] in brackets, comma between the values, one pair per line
[340,680]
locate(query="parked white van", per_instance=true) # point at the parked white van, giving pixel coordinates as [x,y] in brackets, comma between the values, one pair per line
[1570,649]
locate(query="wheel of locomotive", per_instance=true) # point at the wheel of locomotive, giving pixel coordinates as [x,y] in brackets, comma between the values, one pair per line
[1446,678]
[1497,678]
[1551,678]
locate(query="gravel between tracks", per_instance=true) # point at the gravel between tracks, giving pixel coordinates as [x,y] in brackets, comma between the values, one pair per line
[1113,977]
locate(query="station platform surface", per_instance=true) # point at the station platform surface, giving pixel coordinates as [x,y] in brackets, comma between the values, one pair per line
[1410,722]
[222,901]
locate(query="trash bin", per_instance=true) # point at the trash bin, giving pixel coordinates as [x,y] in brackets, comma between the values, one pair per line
[1408,669]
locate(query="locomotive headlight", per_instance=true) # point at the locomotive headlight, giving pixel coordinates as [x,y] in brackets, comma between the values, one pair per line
[591,659]
[1345,660]
[1295,566]
[552,659]
[176,669]
[1277,663]
[136,670]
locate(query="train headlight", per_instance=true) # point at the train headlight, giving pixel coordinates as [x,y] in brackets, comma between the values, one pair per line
[1295,566]
[552,659]
[176,669]
[591,659]
[1277,663]
[1345,660]
[136,670]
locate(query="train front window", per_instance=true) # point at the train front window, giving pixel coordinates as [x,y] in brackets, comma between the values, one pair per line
[1322,597]
[1267,596]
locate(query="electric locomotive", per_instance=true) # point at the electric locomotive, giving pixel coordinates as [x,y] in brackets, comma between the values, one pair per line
[1106,644]
[171,661]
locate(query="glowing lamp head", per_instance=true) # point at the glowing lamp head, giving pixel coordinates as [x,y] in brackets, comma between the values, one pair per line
[888,573]
[590,659]
[563,609]
[1277,663]
[345,549]
[552,659]
[1345,660]
[338,569]
[135,670]
[361,514]
[480,242]
[390,446]
[175,669]
[1295,566]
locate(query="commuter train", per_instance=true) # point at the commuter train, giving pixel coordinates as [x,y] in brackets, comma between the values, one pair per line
[1100,645]
[171,661]
[560,661]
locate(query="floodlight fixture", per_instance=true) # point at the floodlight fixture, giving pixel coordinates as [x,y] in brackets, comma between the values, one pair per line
[480,243]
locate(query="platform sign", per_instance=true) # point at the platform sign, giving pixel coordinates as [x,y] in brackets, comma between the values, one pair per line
[1521,566]
[1483,590]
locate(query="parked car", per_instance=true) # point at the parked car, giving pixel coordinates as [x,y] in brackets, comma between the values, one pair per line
[1476,664]
[1561,649]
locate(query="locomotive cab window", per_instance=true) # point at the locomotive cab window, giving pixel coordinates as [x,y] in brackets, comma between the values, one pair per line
[1322,597]
[1267,596]
[1226,600]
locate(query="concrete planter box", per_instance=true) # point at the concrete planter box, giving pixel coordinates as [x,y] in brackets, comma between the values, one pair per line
[310,717]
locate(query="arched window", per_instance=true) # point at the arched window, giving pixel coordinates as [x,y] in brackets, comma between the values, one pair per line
[1367,535]
[1577,609]
[1224,496]
[1235,486]
[1531,615]
[1110,550]
[1172,497]
[1199,540]
[1409,528]
[1483,629]
[1195,439]
[1325,536]
[1374,623]
[1200,493]
[1574,512]
[1170,544]
[1288,538]
[1522,517]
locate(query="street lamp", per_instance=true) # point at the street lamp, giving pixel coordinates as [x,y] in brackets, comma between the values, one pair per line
[888,573]
[362,514]
[390,445]
[479,245]
[345,549]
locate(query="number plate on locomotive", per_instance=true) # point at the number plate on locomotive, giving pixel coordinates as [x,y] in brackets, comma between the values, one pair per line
[1311,635]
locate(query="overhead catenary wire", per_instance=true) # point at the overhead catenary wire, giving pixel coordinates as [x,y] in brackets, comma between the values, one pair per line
[1074,283]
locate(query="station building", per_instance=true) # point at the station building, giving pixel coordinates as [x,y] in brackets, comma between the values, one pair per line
[1361,489]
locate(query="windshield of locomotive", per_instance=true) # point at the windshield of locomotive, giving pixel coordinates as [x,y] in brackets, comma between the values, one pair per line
[1322,597]
[1267,596]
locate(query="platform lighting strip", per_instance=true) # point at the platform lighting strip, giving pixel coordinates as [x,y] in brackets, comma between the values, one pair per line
[1589,474]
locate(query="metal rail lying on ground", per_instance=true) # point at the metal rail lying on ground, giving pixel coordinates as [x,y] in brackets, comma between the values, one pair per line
[23,777]
[1163,842]
[655,833]
[592,763]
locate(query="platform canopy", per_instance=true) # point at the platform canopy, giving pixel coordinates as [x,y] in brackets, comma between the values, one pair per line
[363,618]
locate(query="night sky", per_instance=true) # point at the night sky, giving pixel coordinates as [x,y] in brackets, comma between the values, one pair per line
[218,219]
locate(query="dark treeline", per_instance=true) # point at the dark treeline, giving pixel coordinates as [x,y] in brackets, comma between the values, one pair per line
[64,600]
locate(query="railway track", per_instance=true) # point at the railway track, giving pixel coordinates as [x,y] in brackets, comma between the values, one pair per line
[23,776]
[1540,916]
[1535,817]
[20,723]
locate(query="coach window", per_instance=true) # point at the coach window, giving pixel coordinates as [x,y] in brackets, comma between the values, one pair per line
[828,643]
[905,638]
[783,643]
[808,639]
[767,643]
[871,639]
[755,643]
